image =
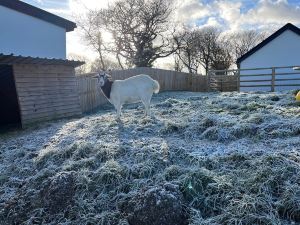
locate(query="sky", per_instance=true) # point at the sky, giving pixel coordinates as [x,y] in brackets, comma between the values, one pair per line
[228,15]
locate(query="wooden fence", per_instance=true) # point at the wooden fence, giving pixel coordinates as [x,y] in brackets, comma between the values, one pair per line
[222,82]
[91,97]
[259,79]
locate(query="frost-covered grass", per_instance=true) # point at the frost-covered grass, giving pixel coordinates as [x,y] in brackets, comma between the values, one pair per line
[204,158]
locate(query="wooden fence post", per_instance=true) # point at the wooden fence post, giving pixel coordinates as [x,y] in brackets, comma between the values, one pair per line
[208,81]
[273,80]
[238,80]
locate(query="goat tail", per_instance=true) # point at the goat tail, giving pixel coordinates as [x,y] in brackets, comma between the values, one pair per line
[156,86]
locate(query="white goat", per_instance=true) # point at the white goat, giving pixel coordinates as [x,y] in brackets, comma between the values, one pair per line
[139,88]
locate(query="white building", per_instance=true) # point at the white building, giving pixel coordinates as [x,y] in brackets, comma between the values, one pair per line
[280,49]
[30,31]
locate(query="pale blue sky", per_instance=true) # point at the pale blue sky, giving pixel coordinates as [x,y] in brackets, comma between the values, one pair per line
[229,15]
[244,7]
[52,4]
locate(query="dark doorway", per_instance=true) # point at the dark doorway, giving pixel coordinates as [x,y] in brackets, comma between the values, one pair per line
[9,107]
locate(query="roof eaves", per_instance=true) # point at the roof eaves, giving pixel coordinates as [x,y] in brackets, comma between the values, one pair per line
[288,26]
[13,59]
[33,11]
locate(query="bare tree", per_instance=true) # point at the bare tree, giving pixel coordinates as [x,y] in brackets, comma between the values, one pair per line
[203,47]
[178,65]
[110,65]
[83,68]
[140,30]
[221,58]
[188,51]
[241,42]
[92,27]
[208,46]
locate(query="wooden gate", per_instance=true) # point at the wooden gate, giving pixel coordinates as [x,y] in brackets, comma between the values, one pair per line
[223,80]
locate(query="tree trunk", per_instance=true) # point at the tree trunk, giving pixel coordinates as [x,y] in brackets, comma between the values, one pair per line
[101,59]
[119,61]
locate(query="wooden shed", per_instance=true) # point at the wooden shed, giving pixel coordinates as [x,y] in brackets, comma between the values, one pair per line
[37,89]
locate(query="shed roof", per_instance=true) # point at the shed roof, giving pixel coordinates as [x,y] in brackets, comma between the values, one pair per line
[12,59]
[33,11]
[288,26]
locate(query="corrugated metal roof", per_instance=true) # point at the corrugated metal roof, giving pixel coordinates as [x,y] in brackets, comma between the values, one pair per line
[38,13]
[12,59]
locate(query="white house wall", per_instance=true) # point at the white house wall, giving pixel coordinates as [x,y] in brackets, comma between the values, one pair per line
[28,36]
[282,51]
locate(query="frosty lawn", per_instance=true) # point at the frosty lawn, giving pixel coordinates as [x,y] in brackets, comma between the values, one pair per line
[205,158]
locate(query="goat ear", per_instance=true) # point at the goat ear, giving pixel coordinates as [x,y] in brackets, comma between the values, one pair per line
[96,77]
[108,72]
